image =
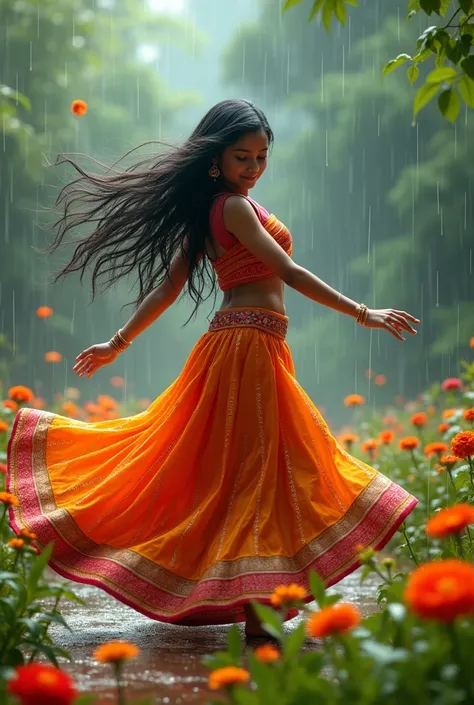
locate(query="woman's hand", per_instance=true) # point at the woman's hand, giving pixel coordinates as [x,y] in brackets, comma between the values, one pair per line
[90,360]
[392,320]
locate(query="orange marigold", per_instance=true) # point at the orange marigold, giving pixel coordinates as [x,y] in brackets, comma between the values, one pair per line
[3,467]
[468,414]
[462,445]
[451,520]
[7,498]
[471,342]
[448,413]
[35,684]
[409,443]
[224,677]
[336,619]
[20,393]
[369,446]
[106,402]
[117,381]
[436,448]
[348,439]
[284,594]
[380,380]
[44,311]
[16,543]
[354,400]
[266,653]
[443,427]
[53,356]
[116,651]
[4,426]
[441,590]
[28,534]
[386,437]
[419,419]
[9,404]
[79,107]
[448,460]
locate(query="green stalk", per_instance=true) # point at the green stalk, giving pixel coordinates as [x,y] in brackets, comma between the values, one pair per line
[118,679]
[409,545]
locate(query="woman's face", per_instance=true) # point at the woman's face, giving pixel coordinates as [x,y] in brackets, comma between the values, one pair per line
[243,163]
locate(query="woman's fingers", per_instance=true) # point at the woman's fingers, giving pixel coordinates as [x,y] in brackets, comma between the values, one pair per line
[401,321]
[393,330]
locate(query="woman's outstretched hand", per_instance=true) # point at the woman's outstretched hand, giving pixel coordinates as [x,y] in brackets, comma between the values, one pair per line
[391,320]
[90,360]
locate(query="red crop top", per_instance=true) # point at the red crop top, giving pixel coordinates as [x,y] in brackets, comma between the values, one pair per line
[238,265]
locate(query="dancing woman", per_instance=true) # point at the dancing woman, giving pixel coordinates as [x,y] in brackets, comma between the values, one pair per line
[230,483]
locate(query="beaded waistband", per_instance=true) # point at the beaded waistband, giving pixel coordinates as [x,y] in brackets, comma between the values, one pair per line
[269,321]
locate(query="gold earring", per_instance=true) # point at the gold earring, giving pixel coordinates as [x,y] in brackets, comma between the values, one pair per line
[214,172]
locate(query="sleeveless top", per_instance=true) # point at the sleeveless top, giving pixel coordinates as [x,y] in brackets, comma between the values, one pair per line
[238,265]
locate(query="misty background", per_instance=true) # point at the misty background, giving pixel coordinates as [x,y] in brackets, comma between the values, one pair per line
[379,208]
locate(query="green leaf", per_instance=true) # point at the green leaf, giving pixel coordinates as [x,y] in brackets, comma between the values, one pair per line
[395,63]
[290,3]
[414,6]
[332,599]
[271,620]
[444,74]
[430,6]
[466,6]
[466,89]
[318,588]
[426,93]
[467,66]
[233,642]
[340,11]
[317,5]
[413,73]
[37,569]
[397,612]
[422,56]
[86,700]
[328,10]
[449,104]
[295,641]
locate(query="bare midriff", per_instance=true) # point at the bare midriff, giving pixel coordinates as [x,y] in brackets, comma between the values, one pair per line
[267,293]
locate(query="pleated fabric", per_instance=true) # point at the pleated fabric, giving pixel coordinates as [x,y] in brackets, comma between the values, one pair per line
[228,485]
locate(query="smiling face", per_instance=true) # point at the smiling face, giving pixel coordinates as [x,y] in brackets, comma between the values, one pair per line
[243,162]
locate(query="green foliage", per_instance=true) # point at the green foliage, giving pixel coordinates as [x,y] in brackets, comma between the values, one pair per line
[451,42]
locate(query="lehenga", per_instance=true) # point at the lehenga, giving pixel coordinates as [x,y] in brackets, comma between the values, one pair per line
[228,485]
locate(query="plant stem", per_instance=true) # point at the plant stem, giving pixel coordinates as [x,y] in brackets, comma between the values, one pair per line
[459,543]
[450,473]
[452,18]
[409,546]
[464,680]
[118,679]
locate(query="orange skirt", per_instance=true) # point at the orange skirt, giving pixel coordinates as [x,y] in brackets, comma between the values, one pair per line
[228,485]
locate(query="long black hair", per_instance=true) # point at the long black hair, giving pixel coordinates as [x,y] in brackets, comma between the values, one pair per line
[143,215]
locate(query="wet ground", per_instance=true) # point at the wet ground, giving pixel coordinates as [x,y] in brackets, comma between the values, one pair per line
[169,668]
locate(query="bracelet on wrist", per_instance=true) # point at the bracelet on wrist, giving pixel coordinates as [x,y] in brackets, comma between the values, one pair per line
[118,342]
[362,314]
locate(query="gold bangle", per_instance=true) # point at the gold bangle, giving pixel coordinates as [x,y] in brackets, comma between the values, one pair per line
[362,314]
[118,342]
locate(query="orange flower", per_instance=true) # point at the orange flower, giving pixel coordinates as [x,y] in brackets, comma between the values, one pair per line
[452,520]
[468,414]
[38,403]
[336,619]
[419,419]
[106,402]
[224,677]
[354,400]
[380,380]
[7,498]
[27,534]
[448,413]
[44,312]
[9,404]
[348,439]
[92,408]
[471,342]
[79,107]
[4,426]
[116,651]
[390,420]
[369,446]
[443,427]
[53,356]
[409,443]
[70,408]
[441,590]
[16,543]
[20,393]
[284,594]
[436,448]
[266,653]
[386,437]
[117,382]
[462,445]
[35,684]
[3,467]
[448,460]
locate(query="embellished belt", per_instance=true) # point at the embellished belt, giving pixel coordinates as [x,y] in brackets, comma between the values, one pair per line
[268,321]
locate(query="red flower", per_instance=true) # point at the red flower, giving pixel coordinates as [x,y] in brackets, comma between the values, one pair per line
[79,107]
[451,383]
[35,684]
[419,419]
[44,312]
[380,380]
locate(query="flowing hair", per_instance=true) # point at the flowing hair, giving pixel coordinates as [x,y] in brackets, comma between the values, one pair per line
[146,215]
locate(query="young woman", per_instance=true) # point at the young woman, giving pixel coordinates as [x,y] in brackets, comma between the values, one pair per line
[230,483]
